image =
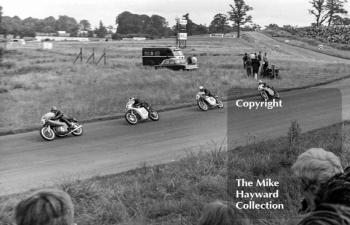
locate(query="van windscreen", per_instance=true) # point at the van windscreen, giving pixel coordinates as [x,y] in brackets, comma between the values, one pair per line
[178,53]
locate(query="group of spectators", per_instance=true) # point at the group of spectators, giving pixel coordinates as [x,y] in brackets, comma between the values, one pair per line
[325,187]
[256,65]
[334,34]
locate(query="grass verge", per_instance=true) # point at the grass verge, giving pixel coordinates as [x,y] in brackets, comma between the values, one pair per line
[175,193]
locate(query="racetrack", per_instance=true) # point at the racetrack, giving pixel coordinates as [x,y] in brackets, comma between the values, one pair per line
[27,161]
[282,51]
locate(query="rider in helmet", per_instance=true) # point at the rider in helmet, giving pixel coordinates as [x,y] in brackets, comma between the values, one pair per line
[60,116]
[264,84]
[206,92]
[139,103]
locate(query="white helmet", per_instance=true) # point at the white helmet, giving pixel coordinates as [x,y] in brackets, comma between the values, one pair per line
[260,82]
[201,87]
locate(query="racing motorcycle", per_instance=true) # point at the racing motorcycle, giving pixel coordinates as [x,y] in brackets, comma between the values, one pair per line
[135,114]
[205,102]
[51,129]
[268,93]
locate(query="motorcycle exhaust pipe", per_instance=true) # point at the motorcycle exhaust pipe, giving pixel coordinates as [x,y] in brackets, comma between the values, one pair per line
[75,129]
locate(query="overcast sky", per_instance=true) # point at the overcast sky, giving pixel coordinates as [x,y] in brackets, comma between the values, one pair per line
[282,12]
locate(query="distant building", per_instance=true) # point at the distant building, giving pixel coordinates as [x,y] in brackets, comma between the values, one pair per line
[45,34]
[62,33]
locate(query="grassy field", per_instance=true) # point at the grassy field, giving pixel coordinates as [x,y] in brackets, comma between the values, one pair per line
[32,80]
[175,193]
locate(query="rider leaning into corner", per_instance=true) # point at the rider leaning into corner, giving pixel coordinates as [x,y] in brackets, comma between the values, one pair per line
[264,84]
[139,103]
[60,116]
[206,92]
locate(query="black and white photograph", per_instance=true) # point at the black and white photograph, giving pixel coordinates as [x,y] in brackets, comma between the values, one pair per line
[175,112]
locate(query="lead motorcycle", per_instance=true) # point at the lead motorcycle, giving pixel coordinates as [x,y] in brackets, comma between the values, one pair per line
[135,114]
[205,102]
[267,92]
[52,129]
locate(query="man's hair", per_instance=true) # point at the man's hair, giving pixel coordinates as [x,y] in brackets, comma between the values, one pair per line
[328,215]
[336,190]
[45,207]
[220,213]
[317,165]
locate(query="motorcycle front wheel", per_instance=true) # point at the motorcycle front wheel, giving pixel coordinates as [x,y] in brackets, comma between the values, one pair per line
[47,133]
[264,95]
[131,118]
[277,95]
[202,105]
[154,115]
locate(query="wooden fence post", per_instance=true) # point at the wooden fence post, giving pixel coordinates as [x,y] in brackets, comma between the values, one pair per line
[80,56]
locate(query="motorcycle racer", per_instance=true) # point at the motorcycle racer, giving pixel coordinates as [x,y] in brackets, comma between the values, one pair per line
[206,92]
[60,116]
[269,89]
[139,103]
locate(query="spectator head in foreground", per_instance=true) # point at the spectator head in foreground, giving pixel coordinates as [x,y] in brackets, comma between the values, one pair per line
[221,213]
[45,207]
[328,214]
[314,168]
[336,190]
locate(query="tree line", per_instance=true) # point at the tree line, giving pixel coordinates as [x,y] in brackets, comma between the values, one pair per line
[329,12]
[129,25]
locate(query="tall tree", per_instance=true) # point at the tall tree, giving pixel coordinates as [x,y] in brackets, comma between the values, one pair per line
[193,28]
[335,8]
[219,24]
[68,24]
[101,31]
[319,11]
[238,14]
[85,25]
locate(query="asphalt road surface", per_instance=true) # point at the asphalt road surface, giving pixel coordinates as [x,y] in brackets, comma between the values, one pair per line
[27,161]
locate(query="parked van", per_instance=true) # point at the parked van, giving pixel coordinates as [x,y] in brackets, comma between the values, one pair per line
[155,55]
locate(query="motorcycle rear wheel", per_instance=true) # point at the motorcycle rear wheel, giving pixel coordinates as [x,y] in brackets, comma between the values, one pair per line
[131,118]
[277,95]
[47,133]
[202,105]
[220,104]
[78,132]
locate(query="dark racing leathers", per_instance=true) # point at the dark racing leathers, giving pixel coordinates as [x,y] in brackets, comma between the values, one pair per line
[62,117]
[209,94]
[139,103]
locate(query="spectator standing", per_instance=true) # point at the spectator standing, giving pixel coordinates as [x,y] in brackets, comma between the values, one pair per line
[259,56]
[245,58]
[256,66]
[249,66]
[264,59]
[265,65]
[46,207]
